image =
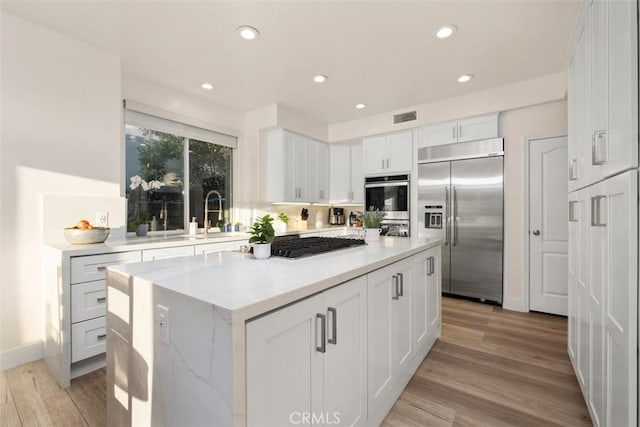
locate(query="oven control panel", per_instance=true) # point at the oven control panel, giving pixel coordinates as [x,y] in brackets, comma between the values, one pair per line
[433,216]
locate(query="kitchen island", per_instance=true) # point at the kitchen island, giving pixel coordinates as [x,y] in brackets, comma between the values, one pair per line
[225,339]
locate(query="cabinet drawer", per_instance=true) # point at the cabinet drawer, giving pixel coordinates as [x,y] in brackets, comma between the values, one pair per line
[88,301]
[94,267]
[164,253]
[88,338]
[209,248]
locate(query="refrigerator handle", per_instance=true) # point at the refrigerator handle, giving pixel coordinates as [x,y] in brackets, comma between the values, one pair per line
[446,215]
[454,227]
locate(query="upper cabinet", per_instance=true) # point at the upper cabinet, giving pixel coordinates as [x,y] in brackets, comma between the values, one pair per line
[347,183]
[392,153]
[297,168]
[603,92]
[469,129]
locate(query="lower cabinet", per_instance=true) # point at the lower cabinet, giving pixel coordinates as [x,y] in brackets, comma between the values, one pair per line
[603,295]
[344,356]
[308,361]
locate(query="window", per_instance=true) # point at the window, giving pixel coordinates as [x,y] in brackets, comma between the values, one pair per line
[163,158]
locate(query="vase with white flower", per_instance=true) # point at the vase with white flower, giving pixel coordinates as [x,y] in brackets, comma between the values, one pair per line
[139,200]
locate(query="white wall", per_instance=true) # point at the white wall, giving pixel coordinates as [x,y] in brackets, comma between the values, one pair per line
[519,125]
[61,119]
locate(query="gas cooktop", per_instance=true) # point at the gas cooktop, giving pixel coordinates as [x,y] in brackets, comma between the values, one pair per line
[296,247]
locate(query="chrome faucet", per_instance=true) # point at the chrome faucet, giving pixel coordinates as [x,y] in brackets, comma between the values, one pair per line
[206,209]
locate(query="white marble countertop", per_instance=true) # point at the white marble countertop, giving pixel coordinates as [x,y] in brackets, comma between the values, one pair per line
[162,240]
[245,287]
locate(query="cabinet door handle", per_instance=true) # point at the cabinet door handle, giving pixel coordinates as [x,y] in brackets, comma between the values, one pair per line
[454,227]
[598,141]
[395,287]
[382,163]
[459,131]
[387,163]
[101,337]
[323,332]
[572,211]
[433,265]
[101,299]
[453,132]
[446,212]
[596,212]
[334,325]
[573,170]
[401,280]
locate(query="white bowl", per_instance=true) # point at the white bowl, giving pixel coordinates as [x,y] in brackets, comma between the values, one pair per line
[77,236]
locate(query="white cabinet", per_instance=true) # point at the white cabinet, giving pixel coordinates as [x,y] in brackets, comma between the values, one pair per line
[603,92]
[388,154]
[310,357]
[347,179]
[426,299]
[603,307]
[297,168]
[208,248]
[390,340]
[318,172]
[462,130]
[165,253]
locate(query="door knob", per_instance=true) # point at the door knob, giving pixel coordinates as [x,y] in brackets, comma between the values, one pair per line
[536,232]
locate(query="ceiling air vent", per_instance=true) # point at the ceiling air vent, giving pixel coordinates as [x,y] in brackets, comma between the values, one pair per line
[404,117]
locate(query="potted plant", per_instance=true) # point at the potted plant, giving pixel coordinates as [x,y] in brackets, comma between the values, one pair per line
[372,220]
[284,222]
[140,225]
[262,234]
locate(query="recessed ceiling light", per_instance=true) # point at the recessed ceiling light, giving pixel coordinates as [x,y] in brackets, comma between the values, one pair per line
[207,86]
[446,31]
[465,78]
[248,33]
[320,78]
[360,106]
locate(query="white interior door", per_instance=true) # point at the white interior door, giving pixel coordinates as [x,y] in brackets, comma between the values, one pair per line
[548,225]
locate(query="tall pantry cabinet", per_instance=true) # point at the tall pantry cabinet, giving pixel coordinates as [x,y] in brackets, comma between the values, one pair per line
[603,209]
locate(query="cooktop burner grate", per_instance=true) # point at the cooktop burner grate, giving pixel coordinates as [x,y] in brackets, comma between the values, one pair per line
[298,247]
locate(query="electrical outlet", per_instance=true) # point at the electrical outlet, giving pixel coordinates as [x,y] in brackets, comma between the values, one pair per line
[102,219]
[162,313]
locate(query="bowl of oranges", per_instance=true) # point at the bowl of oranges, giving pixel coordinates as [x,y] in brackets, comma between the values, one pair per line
[83,233]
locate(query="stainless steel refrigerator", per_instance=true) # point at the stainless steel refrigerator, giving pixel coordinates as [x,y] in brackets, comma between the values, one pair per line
[460,200]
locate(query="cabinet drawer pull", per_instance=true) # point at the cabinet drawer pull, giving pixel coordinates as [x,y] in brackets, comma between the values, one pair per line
[334,325]
[101,299]
[101,337]
[395,287]
[102,268]
[401,277]
[322,348]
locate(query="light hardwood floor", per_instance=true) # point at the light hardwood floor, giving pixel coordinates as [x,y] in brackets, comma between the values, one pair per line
[492,367]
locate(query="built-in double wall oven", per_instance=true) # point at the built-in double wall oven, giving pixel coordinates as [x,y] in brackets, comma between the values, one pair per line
[390,194]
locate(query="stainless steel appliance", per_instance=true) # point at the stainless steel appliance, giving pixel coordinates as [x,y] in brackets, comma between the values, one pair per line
[460,200]
[389,194]
[336,216]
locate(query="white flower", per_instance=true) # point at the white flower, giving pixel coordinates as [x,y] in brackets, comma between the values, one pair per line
[136,181]
[155,185]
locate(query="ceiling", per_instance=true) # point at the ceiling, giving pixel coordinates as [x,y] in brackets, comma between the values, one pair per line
[383,53]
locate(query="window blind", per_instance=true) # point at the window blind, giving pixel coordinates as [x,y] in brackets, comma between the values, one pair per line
[143,116]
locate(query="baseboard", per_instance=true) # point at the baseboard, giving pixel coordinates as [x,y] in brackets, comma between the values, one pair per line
[515,304]
[21,355]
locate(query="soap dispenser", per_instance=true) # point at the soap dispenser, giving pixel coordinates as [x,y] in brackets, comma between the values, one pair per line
[193,227]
